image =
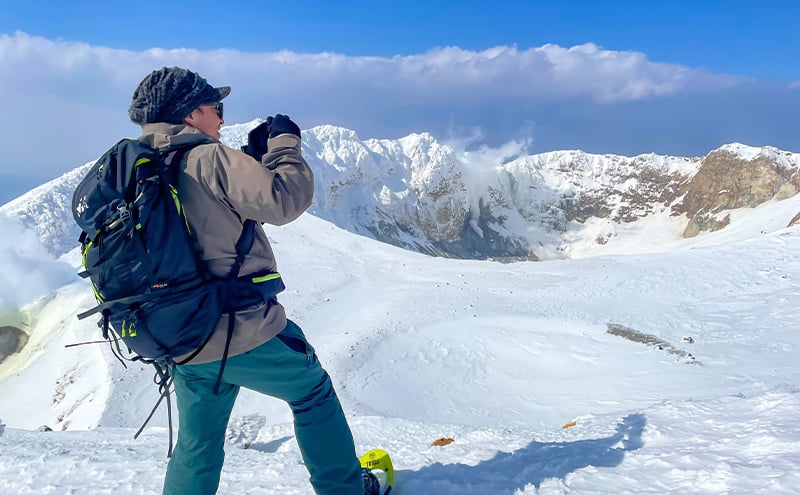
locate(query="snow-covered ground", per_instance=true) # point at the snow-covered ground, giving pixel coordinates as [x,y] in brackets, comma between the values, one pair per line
[497,357]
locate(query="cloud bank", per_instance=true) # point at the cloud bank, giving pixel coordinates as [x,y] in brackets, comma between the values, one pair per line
[64,102]
[29,271]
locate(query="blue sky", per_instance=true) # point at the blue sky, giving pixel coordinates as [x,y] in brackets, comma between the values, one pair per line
[627,77]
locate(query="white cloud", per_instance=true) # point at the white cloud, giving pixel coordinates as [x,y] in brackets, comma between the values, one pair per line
[29,271]
[33,63]
[64,102]
[552,71]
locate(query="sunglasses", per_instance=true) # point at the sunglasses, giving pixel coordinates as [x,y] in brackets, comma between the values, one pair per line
[217,107]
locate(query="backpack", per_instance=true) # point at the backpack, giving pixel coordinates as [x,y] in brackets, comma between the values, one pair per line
[152,289]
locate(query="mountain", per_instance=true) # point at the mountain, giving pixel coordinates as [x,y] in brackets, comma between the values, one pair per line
[670,367]
[416,193]
[419,194]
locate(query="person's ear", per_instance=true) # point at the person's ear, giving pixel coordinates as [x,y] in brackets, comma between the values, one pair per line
[189,119]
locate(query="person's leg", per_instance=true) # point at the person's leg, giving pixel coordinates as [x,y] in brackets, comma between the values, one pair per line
[203,417]
[286,367]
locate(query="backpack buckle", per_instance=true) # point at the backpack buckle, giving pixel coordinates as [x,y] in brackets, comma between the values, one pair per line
[123,217]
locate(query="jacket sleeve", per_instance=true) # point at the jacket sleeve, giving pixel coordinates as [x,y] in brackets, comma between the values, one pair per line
[275,191]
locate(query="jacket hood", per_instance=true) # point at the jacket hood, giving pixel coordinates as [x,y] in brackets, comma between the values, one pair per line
[161,135]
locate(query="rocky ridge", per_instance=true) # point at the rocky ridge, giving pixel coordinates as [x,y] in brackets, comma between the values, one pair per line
[419,194]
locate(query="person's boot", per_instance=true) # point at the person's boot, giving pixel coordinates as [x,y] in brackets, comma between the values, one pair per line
[371,484]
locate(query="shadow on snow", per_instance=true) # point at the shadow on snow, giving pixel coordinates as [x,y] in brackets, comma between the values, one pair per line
[507,472]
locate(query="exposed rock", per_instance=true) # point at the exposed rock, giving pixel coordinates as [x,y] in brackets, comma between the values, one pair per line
[795,220]
[657,343]
[786,191]
[12,339]
[692,229]
[481,239]
[704,223]
[727,181]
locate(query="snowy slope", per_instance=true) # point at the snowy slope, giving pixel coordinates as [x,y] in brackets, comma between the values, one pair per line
[497,357]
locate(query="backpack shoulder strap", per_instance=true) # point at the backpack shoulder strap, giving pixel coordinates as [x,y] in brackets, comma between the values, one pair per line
[243,246]
[173,156]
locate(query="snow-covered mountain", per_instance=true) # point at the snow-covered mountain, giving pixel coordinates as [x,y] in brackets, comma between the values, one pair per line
[669,368]
[417,193]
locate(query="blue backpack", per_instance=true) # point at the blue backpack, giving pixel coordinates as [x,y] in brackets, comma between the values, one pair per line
[151,288]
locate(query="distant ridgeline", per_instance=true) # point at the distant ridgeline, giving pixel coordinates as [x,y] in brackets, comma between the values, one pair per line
[421,195]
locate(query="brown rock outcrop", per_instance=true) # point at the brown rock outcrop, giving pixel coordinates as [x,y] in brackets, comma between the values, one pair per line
[12,339]
[726,181]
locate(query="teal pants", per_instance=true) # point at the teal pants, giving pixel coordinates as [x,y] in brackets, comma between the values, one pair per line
[285,367]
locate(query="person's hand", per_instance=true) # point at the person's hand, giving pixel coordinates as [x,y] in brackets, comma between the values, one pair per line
[257,141]
[281,124]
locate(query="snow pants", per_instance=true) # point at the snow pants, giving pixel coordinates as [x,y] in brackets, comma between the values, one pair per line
[285,367]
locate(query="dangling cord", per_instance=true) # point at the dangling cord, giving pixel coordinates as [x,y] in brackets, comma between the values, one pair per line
[118,352]
[111,345]
[228,338]
[106,327]
[100,342]
[164,380]
[169,418]
[76,344]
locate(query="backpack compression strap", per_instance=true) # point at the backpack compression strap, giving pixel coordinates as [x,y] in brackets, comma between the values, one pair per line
[243,246]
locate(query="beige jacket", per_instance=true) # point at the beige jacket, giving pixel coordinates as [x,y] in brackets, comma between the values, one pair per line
[220,188]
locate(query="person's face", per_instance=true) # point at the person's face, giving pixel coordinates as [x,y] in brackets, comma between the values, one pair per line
[206,118]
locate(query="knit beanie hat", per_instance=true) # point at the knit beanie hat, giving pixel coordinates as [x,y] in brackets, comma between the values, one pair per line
[170,94]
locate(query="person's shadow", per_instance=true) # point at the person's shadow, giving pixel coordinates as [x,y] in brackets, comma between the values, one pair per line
[508,472]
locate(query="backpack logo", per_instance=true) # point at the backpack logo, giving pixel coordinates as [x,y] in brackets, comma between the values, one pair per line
[81,207]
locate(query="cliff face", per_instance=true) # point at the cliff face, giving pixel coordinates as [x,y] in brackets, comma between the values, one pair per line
[434,201]
[726,180]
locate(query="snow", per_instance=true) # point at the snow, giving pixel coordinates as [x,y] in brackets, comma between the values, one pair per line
[496,356]
[661,231]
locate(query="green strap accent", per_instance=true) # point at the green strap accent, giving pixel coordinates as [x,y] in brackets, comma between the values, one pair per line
[141,161]
[86,248]
[174,192]
[97,294]
[129,331]
[266,278]
[86,252]
[179,206]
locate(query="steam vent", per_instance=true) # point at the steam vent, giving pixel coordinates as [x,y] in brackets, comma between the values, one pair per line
[12,339]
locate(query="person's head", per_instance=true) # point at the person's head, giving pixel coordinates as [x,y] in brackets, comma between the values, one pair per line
[178,96]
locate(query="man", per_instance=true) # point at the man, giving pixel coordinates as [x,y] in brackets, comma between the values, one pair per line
[220,188]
